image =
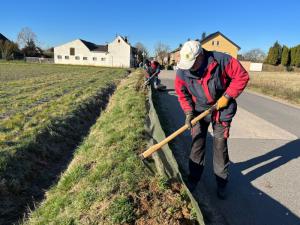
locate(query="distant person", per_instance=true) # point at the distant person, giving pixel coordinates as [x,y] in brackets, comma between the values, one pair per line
[153,70]
[203,79]
[141,64]
[146,64]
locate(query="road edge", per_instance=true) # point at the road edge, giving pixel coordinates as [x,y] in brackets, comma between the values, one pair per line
[164,159]
[273,98]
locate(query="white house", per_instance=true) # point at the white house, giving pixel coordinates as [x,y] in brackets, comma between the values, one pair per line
[118,53]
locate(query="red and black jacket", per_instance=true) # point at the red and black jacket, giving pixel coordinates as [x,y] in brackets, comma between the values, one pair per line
[153,69]
[222,74]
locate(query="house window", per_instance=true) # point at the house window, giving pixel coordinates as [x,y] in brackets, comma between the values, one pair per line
[218,43]
[84,58]
[77,57]
[72,51]
[59,57]
[103,59]
[66,57]
[119,41]
[94,58]
[213,42]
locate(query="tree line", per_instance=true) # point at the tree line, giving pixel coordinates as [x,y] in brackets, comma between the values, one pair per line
[283,55]
[26,46]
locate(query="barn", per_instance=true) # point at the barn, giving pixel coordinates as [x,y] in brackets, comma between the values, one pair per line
[118,53]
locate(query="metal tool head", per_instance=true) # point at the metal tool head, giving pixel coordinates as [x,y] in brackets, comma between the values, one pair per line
[147,163]
[141,156]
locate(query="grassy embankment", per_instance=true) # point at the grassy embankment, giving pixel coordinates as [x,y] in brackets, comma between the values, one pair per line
[282,85]
[45,110]
[106,183]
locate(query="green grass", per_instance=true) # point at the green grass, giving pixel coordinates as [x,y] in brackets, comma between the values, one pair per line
[104,165]
[106,182]
[44,111]
[282,85]
[121,210]
[34,97]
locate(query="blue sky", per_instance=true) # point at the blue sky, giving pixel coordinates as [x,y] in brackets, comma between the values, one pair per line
[250,24]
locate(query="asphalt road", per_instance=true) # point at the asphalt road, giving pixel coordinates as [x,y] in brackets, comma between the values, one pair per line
[264,148]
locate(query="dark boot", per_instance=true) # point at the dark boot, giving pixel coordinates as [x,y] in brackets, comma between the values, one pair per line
[191,184]
[221,163]
[195,175]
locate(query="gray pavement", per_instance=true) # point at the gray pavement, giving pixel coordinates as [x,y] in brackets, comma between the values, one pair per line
[264,151]
[277,113]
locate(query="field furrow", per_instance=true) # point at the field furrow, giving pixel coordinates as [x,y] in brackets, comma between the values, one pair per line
[45,111]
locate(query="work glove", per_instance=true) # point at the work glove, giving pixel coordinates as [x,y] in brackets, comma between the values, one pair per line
[189,116]
[223,102]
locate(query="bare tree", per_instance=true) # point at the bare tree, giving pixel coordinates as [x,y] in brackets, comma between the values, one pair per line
[26,36]
[162,52]
[7,48]
[27,39]
[254,55]
[142,51]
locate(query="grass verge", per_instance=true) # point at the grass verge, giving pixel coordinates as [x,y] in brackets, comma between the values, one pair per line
[106,183]
[282,85]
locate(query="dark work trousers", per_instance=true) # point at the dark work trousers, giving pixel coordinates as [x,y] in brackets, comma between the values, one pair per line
[220,150]
[156,82]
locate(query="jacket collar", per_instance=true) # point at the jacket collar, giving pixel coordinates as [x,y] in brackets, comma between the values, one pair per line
[211,64]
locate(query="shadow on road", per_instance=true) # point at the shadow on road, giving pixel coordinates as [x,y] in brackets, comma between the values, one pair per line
[281,156]
[246,204]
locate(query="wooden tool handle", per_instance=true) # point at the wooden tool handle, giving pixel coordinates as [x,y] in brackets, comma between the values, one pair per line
[148,80]
[158,146]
